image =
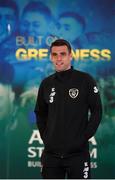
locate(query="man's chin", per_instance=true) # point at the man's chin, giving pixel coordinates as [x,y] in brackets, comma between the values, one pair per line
[59,69]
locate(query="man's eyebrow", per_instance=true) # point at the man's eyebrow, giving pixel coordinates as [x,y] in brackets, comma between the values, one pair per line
[63,53]
[54,53]
[59,52]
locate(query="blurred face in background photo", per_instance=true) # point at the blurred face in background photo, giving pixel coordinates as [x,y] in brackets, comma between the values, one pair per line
[34,24]
[70,29]
[7,22]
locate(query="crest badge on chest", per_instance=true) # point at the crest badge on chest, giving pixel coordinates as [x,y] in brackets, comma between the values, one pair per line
[73,92]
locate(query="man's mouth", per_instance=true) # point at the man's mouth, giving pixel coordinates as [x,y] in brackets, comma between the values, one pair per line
[59,63]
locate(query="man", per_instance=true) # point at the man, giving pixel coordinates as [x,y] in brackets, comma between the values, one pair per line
[34,18]
[7,95]
[34,22]
[74,24]
[8,19]
[7,113]
[62,112]
[13,123]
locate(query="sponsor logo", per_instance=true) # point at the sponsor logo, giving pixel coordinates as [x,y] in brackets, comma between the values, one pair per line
[52,94]
[95,89]
[73,93]
[85,170]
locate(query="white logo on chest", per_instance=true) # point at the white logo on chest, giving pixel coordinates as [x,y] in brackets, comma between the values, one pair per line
[52,94]
[85,170]
[73,93]
[95,89]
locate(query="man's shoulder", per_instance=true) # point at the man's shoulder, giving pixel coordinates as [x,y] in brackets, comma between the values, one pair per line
[82,74]
[48,79]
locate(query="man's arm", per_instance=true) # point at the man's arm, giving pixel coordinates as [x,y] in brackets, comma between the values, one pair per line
[95,106]
[41,111]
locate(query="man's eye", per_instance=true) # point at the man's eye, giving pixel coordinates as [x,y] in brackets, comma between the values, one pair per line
[25,23]
[54,55]
[36,24]
[63,54]
[10,18]
[67,27]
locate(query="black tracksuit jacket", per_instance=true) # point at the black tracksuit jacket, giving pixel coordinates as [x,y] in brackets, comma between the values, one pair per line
[62,112]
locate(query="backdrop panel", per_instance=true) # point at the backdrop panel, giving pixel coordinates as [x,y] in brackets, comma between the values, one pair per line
[27,29]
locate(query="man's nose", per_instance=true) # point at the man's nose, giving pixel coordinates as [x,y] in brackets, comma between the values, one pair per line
[30,28]
[59,57]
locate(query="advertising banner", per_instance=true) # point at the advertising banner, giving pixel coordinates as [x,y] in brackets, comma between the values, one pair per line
[27,29]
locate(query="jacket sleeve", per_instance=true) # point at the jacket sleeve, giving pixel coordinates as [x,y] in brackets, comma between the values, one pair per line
[41,110]
[95,107]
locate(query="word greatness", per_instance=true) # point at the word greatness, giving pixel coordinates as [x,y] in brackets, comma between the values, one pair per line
[30,48]
[78,54]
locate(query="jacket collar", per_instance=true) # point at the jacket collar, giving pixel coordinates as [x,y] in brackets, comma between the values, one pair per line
[64,75]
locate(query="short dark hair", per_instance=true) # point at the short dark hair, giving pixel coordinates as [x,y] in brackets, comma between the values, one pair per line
[12,5]
[76,16]
[61,42]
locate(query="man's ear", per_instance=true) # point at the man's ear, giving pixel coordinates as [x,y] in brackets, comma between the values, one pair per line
[71,56]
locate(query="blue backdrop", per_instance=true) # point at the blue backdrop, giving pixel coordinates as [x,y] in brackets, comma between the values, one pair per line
[27,29]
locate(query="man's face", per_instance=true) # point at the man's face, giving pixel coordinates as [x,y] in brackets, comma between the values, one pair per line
[7,22]
[34,24]
[70,28]
[61,58]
